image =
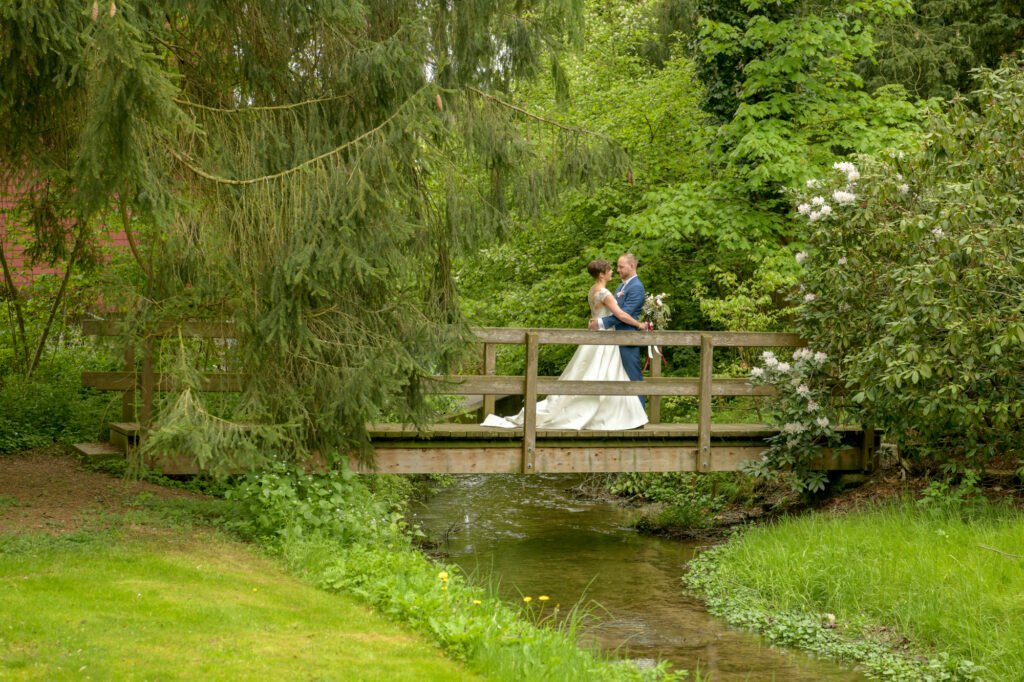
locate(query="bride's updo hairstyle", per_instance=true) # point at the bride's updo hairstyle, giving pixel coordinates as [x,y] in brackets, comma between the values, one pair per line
[596,267]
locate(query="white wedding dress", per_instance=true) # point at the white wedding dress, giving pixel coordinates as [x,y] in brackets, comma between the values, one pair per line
[588,363]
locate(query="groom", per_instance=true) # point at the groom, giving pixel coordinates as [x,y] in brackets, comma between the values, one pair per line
[630,297]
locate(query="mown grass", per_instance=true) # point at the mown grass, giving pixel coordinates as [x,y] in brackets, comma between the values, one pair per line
[171,604]
[939,581]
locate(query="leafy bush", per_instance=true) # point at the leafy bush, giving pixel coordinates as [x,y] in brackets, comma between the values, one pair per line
[51,406]
[913,280]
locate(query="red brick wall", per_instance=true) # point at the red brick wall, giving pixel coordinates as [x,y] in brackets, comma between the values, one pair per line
[14,236]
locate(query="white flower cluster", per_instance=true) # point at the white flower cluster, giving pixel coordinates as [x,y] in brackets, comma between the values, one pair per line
[793,378]
[843,197]
[852,174]
[801,256]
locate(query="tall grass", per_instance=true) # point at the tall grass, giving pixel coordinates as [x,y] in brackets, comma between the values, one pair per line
[945,581]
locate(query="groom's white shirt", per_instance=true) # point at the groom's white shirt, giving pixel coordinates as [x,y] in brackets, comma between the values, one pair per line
[621,288]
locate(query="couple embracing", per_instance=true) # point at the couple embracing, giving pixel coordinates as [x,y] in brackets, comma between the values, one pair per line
[618,311]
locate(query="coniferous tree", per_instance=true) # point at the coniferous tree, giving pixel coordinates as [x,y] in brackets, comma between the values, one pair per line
[307,168]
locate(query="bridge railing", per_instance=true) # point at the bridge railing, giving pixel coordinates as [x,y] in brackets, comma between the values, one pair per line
[704,387]
[140,379]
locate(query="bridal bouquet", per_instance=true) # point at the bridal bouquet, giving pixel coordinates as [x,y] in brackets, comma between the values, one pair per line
[655,312]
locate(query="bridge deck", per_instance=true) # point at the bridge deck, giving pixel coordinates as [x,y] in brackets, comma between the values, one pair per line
[468,448]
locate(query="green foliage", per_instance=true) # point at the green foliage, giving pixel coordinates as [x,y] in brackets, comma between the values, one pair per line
[939,586]
[347,534]
[681,501]
[284,506]
[932,50]
[914,285]
[51,406]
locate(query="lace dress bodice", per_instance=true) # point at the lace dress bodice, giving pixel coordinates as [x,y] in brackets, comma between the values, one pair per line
[596,297]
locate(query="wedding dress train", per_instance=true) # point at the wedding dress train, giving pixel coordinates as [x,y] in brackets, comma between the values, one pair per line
[574,412]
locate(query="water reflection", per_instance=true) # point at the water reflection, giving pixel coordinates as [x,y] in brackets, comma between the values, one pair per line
[527,535]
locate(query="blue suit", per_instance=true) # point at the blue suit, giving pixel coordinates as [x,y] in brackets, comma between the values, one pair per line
[632,302]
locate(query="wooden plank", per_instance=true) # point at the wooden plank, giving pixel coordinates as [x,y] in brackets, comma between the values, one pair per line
[664,430]
[608,459]
[517,335]
[704,402]
[125,381]
[492,460]
[490,368]
[98,451]
[530,404]
[656,386]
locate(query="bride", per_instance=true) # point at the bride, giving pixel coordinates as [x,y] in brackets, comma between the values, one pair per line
[589,363]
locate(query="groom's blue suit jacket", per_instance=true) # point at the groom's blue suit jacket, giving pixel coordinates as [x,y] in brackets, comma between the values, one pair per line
[631,301]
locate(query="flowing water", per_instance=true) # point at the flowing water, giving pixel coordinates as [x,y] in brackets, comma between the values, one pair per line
[531,537]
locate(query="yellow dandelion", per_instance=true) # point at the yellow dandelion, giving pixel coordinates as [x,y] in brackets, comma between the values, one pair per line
[443,575]
[477,601]
[527,599]
[543,597]
[444,588]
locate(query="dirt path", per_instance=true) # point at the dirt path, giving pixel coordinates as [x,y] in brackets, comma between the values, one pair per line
[48,490]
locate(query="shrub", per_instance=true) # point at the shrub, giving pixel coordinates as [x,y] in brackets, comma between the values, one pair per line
[913,280]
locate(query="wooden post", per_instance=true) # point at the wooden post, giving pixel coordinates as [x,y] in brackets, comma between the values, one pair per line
[704,409]
[147,381]
[530,405]
[490,368]
[654,401]
[867,453]
[128,397]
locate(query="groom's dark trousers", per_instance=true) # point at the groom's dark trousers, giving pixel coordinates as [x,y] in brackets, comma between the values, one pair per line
[630,297]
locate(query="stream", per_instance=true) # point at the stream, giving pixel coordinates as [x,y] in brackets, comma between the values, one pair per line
[529,536]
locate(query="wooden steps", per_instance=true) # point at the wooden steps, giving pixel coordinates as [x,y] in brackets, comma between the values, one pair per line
[98,452]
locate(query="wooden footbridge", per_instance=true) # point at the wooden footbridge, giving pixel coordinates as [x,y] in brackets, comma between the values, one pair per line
[458,448]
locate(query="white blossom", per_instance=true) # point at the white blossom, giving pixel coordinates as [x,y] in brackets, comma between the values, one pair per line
[757,372]
[801,256]
[812,183]
[842,260]
[808,298]
[794,427]
[814,216]
[820,357]
[802,354]
[812,406]
[842,197]
[899,176]
[783,367]
[904,188]
[803,389]
[818,201]
[825,210]
[852,174]
[767,356]
[938,232]
[821,421]
[803,209]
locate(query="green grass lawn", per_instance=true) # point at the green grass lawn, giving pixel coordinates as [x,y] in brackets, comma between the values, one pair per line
[173,603]
[946,582]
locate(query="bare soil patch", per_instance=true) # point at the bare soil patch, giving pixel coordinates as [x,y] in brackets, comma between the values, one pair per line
[49,490]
